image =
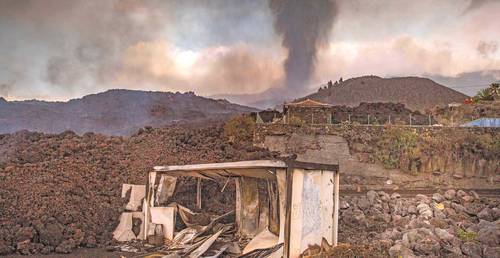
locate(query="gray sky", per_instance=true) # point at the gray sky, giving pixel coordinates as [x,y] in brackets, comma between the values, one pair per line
[59,49]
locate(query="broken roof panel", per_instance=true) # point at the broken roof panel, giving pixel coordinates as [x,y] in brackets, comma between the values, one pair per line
[252,164]
[253,168]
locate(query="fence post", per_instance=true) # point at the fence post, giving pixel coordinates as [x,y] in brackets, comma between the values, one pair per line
[368,119]
[430,121]
[389,119]
[349,118]
[410,119]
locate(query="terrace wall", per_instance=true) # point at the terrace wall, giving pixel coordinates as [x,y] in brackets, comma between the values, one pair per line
[394,156]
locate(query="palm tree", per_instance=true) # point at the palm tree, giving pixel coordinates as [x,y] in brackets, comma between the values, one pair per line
[495,90]
[490,93]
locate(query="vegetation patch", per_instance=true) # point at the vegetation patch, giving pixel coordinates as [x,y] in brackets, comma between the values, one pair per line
[239,129]
[466,236]
[397,146]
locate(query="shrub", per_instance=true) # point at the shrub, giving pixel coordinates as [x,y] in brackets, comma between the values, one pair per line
[396,145]
[466,235]
[239,128]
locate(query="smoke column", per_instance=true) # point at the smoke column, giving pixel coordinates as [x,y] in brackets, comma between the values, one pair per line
[304,25]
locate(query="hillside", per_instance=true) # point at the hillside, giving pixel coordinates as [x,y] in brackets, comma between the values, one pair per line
[416,93]
[465,113]
[63,189]
[114,112]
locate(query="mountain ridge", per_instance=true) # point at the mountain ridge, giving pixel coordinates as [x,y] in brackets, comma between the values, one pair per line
[416,93]
[114,112]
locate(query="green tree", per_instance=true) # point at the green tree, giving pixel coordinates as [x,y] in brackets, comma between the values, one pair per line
[495,90]
[490,93]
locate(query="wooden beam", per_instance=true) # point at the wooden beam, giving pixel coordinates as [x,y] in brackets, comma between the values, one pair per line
[226,165]
[312,166]
[281,181]
[288,211]
[148,201]
[198,194]
[336,209]
[274,220]
[247,206]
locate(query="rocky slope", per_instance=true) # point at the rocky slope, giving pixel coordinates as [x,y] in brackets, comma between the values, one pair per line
[415,93]
[379,114]
[450,224]
[114,112]
[62,191]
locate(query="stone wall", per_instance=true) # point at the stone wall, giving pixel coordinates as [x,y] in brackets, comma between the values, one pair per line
[388,157]
[310,115]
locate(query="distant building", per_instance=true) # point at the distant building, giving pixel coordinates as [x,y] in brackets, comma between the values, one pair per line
[307,111]
[267,116]
[483,122]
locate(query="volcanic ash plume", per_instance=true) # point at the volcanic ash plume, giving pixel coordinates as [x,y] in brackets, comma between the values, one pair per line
[305,26]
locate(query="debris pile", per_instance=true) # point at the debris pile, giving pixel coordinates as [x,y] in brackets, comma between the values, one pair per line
[62,191]
[345,250]
[258,217]
[202,233]
[202,237]
[157,231]
[452,224]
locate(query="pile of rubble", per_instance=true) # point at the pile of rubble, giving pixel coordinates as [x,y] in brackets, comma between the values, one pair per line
[452,224]
[62,191]
[197,232]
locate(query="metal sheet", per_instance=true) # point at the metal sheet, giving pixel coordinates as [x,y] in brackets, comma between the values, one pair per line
[312,209]
[166,188]
[137,193]
[166,217]
[247,206]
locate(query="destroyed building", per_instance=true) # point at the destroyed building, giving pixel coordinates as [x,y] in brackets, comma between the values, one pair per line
[299,208]
[266,116]
[314,112]
[308,111]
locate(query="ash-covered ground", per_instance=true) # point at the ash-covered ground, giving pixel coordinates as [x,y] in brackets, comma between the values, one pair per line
[62,192]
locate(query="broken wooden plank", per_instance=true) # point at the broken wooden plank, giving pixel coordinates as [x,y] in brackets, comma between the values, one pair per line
[225,165]
[198,194]
[247,206]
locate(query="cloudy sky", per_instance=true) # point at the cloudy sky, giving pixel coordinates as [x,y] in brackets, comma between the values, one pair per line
[60,49]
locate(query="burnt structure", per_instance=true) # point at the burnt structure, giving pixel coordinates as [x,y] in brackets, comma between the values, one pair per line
[307,111]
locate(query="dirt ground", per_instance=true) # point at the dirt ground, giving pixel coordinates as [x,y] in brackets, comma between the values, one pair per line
[82,253]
